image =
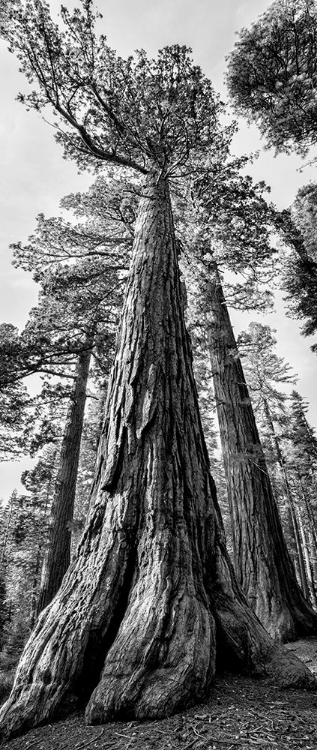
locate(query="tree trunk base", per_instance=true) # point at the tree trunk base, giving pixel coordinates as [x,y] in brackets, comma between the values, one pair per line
[162,659]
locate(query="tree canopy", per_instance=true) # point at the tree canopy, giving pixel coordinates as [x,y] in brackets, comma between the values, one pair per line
[299,270]
[272,74]
[130,113]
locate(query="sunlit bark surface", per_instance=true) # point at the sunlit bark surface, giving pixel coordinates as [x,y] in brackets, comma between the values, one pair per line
[151,598]
[262,562]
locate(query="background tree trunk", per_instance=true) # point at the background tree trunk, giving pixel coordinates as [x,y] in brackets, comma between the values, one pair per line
[57,559]
[132,629]
[290,501]
[308,565]
[262,562]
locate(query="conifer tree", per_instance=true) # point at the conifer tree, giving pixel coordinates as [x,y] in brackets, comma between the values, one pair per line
[299,270]
[230,227]
[25,523]
[265,372]
[301,456]
[262,561]
[16,406]
[272,74]
[39,483]
[78,307]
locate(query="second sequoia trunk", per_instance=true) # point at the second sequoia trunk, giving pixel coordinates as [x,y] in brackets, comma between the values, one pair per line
[151,598]
[262,562]
[57,558]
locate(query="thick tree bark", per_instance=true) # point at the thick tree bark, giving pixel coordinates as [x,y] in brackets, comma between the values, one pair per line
[57,559]
[306,555]
[3,608]
[101,411]
[290,502]
[262,562]
[312,538]
[310,535]
[151,597]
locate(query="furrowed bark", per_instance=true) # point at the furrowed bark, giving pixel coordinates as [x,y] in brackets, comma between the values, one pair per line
[290,501]
[133,628]
[308,565]
[262,562]
[57,559]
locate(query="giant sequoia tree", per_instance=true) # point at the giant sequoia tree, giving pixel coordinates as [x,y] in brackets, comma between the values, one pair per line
[263,564]
[57,558]
[151,597]
[265,371]
[231,225]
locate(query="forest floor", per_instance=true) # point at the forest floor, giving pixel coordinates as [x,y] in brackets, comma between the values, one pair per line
[242,714]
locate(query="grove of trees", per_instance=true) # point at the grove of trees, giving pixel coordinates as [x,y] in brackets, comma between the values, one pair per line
[135,621]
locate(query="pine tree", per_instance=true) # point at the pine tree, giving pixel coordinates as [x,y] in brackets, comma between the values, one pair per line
[299,272]
[16,406]
[25,528]
[78,307]
[301,454]
[272,74]
[265,373]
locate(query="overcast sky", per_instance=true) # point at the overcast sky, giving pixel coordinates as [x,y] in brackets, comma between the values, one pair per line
[34,176]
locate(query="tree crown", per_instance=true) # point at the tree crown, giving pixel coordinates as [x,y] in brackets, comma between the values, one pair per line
[137,113]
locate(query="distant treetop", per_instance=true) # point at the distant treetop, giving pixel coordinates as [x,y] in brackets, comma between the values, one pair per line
[272,75]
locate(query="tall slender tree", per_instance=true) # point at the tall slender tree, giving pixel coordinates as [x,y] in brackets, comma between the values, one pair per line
[265,372]
[230,228]
[25,524]
[262,561]
[58,555]
[303,455]
[16,405]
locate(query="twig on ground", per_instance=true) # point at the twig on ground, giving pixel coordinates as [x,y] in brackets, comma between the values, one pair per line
[33,744]
[96,737]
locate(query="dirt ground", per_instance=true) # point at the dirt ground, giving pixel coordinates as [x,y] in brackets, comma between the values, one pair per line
[242,713]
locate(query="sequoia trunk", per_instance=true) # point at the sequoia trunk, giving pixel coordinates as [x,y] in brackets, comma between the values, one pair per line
[262,562]
[132,630]
[308,564]
[57,558]
[290,502]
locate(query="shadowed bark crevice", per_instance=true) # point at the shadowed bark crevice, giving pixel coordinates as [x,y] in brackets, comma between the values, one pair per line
[99,644]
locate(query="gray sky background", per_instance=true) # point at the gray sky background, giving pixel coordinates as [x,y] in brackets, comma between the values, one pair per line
[34,175]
